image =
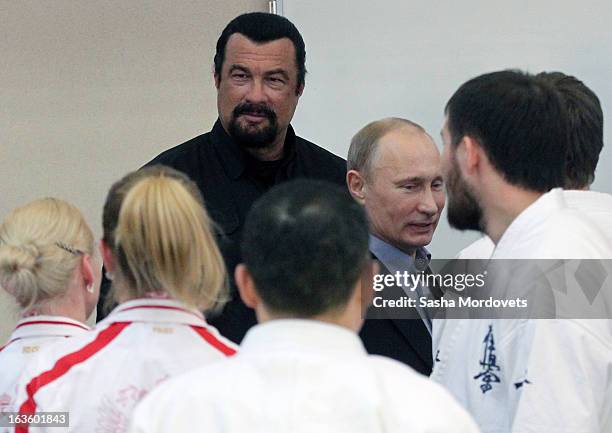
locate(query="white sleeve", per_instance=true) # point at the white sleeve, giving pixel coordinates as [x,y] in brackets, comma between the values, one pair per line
[568,377]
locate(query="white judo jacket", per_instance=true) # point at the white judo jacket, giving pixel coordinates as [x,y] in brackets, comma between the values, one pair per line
[596,206]
[99,377]
[302,376]
[533,375]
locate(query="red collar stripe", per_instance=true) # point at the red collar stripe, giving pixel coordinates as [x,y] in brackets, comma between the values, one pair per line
[214,341]
[63,365]
[51,322]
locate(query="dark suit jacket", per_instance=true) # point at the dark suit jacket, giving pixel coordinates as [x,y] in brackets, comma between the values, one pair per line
[405,340]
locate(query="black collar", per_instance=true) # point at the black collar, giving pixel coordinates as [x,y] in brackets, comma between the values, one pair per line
[233,157]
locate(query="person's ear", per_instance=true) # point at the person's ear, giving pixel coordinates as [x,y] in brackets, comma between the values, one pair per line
[217,78]
[356,185]
[107,258]
[362,296]
[246,286]
[469,152]
[88,273]
[299,90]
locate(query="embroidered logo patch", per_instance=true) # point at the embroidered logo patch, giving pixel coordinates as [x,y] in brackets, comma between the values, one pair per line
[489,369]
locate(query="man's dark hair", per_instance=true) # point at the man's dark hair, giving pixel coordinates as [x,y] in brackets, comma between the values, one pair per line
[585,118]
[262,27]
[305,243]
[520,121]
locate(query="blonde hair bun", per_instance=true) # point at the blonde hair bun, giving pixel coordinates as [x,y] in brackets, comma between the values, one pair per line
[32,267]
[18,264]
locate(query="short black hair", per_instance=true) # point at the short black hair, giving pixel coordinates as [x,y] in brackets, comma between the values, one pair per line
[521,122]
[585,118]
[305,243]
[263,27]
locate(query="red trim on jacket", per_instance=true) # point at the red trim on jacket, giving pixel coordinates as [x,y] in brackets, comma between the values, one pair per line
[63,365]
[214,341]
[51,322]
[163,307]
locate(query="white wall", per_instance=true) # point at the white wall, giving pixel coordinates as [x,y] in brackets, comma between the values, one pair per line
[369,60]
[93,89]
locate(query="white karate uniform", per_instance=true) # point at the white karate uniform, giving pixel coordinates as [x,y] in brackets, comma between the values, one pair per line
[301,376]
[570,370]
[98,378]
[479,249]
[533,375]
[31,334]
[596,205]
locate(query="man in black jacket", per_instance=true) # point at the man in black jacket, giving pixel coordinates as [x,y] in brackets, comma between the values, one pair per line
[394,171]
[259,72]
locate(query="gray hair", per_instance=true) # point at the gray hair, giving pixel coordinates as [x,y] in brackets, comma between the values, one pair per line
[364,143]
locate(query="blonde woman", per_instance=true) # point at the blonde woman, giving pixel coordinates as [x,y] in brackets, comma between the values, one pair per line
[47,263]
[161,255]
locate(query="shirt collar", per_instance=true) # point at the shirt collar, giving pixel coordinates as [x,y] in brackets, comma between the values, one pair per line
[588,201]
[156,310]
[301,335]
[47,326]
[233,158]
[535,214]
[395,259]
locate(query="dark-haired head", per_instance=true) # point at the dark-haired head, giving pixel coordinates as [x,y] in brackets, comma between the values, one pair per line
[521,123]
[263,27]
[305,246]
[585,120]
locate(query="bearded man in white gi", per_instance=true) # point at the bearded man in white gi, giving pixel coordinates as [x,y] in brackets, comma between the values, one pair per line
[505,140]
[585,117]
[303,369]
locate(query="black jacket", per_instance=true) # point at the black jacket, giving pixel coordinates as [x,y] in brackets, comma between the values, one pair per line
[221,171]
[405,340]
